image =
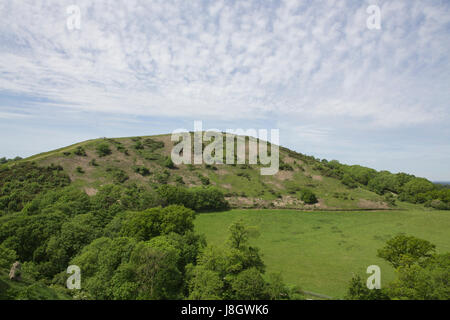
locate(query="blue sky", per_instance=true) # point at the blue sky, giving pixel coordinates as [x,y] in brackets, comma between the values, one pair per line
[313,69]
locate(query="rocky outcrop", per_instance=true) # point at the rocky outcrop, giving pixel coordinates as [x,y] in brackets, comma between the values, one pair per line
[14,273]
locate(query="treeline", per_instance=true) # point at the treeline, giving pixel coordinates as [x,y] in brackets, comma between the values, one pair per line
[4,160]
[404,187]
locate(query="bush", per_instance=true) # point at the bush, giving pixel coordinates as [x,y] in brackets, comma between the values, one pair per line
[80,170]
[79,151]
[103,150]
[153,145]
[244,175]
[286,167]
[138,145]
[204,180]
[162,177]
[168,163]
[348,181]
[143,171]
[198,198]
[119,176]
[308,197]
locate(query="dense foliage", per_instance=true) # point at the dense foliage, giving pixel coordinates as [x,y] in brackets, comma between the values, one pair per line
[21,182]
[421,273]
[404,186]
[130,242]
[197,198]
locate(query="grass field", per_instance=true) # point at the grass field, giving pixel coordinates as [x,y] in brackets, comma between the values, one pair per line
[319,251]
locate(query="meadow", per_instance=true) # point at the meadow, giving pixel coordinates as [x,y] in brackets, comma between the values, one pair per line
[320,251]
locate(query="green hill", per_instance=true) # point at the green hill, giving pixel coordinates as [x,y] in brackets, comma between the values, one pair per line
[143,161]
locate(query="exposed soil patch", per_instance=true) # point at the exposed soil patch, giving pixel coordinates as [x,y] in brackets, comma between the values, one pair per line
[284,175]
[369,204]
[317,178]
[90,191]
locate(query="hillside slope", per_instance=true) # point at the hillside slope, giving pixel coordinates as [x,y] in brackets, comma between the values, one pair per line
[145,161]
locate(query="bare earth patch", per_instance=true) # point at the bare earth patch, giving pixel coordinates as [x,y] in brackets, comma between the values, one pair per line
[284,175]
[317,177]
[90,191]
[369,204]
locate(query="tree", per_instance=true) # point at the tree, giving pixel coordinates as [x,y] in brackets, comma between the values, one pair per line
[155,264]
[7,256]
[308,196]
[405,250]
[249,285]
[239,235]
[418,185]
[425,281]
[357,290]
[205,284]
[348,181]
[384,181]
[276,289]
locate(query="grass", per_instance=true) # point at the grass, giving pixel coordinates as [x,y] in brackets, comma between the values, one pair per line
[319,251]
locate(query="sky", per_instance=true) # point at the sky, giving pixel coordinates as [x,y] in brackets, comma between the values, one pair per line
[335,88]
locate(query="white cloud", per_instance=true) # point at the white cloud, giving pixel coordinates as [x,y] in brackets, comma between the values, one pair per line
[232,61]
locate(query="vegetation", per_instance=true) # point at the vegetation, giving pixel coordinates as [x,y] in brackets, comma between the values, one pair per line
[103,149]
[130,220]
[308,196]
[319,251]
[421,273]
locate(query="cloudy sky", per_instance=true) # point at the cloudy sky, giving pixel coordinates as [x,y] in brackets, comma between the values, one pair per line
[335,88]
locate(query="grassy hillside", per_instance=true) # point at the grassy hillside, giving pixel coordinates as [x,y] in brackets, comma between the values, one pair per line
[143,160]
[319,251]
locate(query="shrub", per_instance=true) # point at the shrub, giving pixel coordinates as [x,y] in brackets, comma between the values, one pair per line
[286,167]
[153,145]
[103,150]
[138,145]
[179,179]
[162,176]
[79,151]
[143,171]
[118,175]
[80,170]
[198,198]
[244,175]
[168,163]
[308,196]
[348,181]
[204,180]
